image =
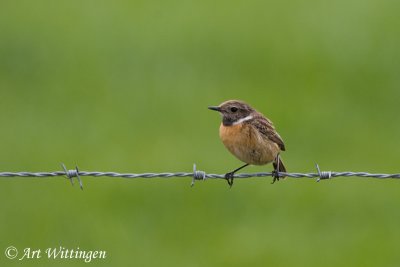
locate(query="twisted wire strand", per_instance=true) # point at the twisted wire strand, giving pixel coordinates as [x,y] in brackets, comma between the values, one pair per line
[196,175]
[190,174]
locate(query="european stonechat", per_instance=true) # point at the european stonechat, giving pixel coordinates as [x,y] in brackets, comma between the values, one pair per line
[249,136]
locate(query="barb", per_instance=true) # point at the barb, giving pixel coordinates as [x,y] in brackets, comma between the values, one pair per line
[195,175]
[71,174]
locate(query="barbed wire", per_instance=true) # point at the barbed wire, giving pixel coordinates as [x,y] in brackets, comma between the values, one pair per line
[195,175]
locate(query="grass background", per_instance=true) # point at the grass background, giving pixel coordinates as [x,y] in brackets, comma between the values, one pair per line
[124,86]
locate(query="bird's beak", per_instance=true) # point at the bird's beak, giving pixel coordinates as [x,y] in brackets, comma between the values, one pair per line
[216,108]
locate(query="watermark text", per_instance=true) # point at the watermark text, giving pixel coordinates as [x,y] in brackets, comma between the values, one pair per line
[55,253]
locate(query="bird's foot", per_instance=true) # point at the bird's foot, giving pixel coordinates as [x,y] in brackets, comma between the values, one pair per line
[229,178]
[275,175]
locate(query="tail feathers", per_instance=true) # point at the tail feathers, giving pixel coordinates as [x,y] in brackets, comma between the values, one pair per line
[279,166]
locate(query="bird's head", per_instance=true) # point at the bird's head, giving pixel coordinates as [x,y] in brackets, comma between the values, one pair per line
[234,112]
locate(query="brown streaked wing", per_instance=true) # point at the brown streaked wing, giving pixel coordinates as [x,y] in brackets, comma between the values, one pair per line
[266,128]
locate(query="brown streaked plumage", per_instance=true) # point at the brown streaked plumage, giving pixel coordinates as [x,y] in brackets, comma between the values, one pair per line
[249,136]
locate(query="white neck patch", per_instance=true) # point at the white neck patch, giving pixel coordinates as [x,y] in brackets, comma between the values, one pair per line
[243,120]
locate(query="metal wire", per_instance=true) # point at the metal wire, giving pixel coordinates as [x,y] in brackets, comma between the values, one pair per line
[196,175]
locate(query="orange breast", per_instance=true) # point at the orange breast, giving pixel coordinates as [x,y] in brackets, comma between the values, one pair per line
[247,144]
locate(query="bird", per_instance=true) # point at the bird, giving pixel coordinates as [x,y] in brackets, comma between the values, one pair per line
[249,136]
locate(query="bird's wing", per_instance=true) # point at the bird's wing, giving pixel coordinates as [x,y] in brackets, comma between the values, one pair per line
[267,129]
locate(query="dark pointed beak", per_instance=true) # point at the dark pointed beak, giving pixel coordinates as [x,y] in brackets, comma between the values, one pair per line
[216,108]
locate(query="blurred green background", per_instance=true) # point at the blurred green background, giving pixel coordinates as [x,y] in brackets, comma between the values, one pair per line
[124,86]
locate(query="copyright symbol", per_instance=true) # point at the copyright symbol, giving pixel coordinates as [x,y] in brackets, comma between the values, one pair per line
[11,252]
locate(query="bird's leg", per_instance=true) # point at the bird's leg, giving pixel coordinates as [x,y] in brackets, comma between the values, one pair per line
[275,172]
[229,175]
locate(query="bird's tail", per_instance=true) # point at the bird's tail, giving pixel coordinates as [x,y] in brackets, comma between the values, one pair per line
[279,166]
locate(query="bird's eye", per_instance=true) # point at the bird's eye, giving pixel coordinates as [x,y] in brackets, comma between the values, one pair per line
[234,109]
